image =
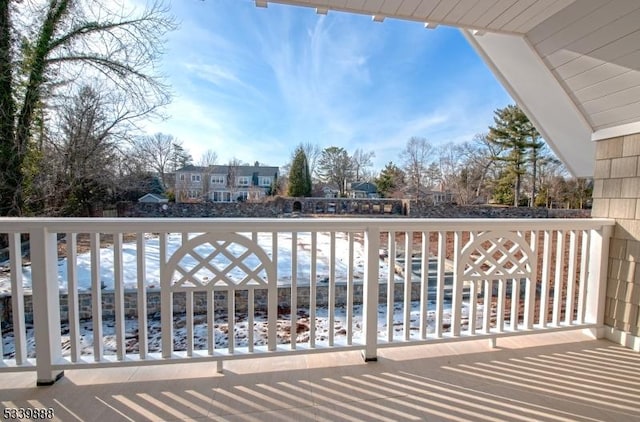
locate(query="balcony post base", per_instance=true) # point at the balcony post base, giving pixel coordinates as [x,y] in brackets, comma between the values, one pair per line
[595,332]
[369,358]
[47,382]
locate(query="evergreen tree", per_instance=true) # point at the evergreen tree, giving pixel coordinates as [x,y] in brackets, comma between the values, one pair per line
[516,135]
[299,175]
[390,180]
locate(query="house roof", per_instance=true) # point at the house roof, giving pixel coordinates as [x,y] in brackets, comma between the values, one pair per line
[364,187]
[572,66]
[224,169]
[153,197]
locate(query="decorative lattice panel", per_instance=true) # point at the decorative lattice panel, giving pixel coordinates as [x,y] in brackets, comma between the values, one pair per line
[496,255]
[219,261]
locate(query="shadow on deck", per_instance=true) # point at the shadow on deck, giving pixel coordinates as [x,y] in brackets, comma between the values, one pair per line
[549,377]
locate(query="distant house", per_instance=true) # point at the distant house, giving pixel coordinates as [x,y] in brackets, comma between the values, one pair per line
[327,191]
[224,183]
[153,198]
[363,190]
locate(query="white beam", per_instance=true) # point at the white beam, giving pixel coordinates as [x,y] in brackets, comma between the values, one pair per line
[524,75]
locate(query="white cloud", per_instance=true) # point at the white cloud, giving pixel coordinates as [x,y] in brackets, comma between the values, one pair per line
[254,83]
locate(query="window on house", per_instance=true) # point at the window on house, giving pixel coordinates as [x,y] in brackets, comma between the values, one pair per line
[217,179]
[195,177]
[242,196]
[182,177]
[265,181]
[193,194]
[243,181]
[221,196]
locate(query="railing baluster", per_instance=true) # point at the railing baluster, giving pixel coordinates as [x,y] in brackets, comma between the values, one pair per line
[546,279]
[456,303]
[293,314]
[350,269]
[515,302]
[211,321]
[408,263]
[488,294]
[559,277]
[166,298]
[571,278]
[189,322]
[584,263]
[272,312]
[332,287]
[370,294]
[473,306]
[96,297]
[424,286]
[118,281]
[231,320]
[17,299]
[442,251]
[313,290]
[251,309]
[143,343]
[530,288]
[500,309]
[391,278]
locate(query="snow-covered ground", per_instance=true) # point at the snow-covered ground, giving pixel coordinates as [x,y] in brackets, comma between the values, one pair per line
[241,330]
[152,261]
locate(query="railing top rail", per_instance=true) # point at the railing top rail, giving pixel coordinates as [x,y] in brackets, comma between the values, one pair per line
[155,225]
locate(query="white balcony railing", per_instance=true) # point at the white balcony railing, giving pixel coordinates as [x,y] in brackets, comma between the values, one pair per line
[238,288]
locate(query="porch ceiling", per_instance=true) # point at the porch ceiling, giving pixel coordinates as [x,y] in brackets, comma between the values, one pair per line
[574,67]
[514,16]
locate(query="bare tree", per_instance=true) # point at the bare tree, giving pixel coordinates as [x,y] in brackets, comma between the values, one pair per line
[335,168]
[208,158]
[85,152]
[207,161]
[361,161]
[313,153]
[415,157]
[232,177]
[158,151]
[64,43]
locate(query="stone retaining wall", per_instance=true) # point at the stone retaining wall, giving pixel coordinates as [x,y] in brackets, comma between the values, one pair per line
[200,301]
[284,207]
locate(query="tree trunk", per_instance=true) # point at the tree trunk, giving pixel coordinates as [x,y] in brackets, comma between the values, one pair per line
[57,10]
[7,116]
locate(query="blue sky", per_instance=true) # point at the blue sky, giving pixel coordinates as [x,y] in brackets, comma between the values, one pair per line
[252,83]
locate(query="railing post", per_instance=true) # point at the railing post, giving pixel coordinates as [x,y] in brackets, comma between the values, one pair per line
[370,294]
[17,299]
[166,301]
[597,279]
[46,305]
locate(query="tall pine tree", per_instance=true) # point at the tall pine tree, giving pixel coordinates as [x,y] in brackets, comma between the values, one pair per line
[519,140]
[299,175]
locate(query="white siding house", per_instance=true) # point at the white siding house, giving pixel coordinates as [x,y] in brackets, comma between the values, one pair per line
[224,183]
